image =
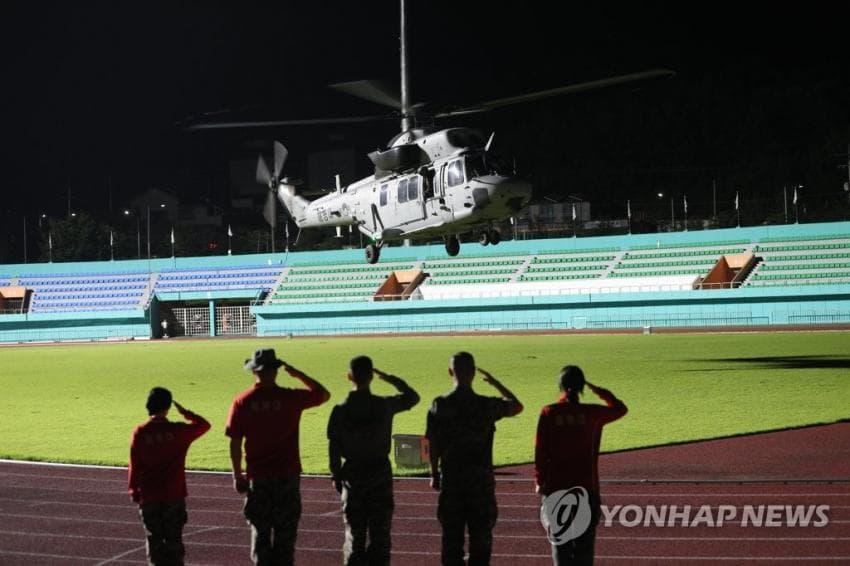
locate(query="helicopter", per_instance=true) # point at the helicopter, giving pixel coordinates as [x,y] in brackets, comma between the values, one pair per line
[428,183]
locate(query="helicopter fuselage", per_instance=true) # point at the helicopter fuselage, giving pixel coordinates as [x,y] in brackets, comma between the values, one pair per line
[456,190]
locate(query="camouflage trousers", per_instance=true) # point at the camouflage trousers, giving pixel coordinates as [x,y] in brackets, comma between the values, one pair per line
[273,509]
[163,522]
[467,503]
[367,507]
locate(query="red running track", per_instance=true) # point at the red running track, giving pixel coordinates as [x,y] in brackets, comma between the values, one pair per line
[80,515]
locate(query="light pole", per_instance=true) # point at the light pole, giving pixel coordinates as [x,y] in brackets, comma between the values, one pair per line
[148,208]
[660,197]
[135,213]
[796,212]
[672,216]
[148,231]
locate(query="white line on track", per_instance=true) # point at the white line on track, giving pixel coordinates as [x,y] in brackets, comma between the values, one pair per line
[62,535]
[499,478]
[714,558]
[121,555]
[537,537]
[42,555]
[606,494]
[46,502]
[415,518]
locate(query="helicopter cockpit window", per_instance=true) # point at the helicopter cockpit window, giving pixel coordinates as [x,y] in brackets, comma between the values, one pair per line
[479,165]
[384,195]
[454,176]
[413,188]
[402,190]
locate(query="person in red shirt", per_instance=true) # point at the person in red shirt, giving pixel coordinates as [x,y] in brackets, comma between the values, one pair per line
[157,477]
[567,451]
[266,419]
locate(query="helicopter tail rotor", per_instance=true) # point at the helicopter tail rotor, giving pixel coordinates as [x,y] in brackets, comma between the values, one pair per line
[270,210]
[264,176]
[271,180]
[280,155]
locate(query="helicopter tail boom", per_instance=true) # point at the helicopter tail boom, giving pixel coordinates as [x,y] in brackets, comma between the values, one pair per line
[296,205]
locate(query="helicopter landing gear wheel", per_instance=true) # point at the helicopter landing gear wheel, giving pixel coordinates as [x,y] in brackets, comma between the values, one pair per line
[452,245]
[484,238]
[495,236]
[373,253]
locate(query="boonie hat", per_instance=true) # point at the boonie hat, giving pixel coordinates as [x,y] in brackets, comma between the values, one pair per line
[263,359]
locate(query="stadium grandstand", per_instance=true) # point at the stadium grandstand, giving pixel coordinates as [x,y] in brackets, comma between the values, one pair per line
[776,275]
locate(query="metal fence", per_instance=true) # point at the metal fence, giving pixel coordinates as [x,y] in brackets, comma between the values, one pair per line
[827,318]
[235,321]
[189,321]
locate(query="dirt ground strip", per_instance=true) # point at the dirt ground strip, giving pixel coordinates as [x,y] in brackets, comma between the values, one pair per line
[837,327]
[53,514]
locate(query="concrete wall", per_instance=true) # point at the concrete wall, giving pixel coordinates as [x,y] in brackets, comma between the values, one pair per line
[749,306]
[433,251]
[53,327]
[730,307]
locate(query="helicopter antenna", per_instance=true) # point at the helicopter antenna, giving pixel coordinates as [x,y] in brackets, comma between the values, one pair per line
[406,118]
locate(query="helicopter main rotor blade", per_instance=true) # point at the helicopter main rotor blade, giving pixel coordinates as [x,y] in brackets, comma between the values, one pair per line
[379,92]
[304,122]
[263,175]
[570,89]
[280,155]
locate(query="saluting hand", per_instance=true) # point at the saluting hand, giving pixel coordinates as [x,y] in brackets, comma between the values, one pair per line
[380,374]
[486,376]
[291,370]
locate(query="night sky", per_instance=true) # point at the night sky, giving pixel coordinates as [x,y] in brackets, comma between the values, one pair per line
[97,91]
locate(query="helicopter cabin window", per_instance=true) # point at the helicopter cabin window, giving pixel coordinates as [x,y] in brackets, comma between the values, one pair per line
[384,195]
[413,188]
[455,173]
[402,190]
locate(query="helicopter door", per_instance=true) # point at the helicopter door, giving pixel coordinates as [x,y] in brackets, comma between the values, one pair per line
[435,201]
[409,207]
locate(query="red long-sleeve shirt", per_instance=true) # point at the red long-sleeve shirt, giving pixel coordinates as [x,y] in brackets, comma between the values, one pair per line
[158,458]
[567,444]
[269,419]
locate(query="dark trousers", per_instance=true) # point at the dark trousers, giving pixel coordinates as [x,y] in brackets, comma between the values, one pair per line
[470,505]
[273,509]
[580,551]
[367,506]
[163,522]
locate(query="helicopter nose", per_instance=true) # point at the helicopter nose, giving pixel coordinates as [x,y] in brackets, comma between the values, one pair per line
[516,193]
[509,194]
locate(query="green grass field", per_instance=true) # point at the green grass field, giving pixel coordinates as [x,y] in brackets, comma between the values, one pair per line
[79,403]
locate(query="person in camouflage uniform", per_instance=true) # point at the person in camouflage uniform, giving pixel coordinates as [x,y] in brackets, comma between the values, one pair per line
[266,418]
[460,430]
[359,433]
